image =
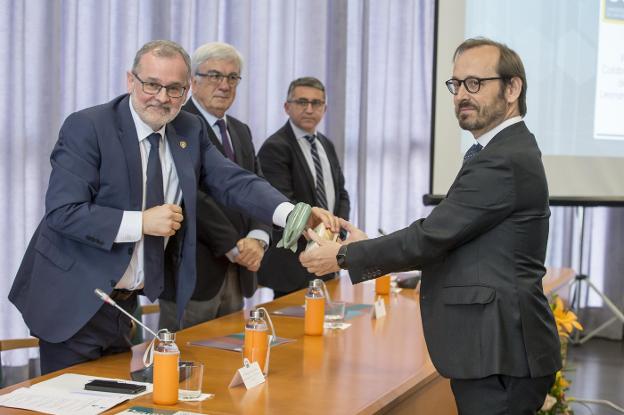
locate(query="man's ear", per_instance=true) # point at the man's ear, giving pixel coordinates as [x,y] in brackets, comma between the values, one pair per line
[513,89]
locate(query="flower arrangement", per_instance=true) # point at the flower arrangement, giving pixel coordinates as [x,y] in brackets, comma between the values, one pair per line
[556,402]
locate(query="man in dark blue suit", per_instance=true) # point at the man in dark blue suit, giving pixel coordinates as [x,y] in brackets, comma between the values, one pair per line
[124,179]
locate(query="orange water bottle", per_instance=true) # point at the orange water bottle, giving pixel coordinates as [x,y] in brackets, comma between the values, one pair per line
[166,370]
[256,344]
[382,284]
[314,309]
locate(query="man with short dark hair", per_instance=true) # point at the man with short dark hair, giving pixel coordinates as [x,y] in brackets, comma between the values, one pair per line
[230,245]
[487,323]
[124,180]
[301,163]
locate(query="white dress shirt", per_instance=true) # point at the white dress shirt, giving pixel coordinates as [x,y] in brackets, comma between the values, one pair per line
[131,228]
[487,137]
[306,148]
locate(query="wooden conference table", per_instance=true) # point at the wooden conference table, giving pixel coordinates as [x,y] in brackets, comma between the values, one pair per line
[375,366]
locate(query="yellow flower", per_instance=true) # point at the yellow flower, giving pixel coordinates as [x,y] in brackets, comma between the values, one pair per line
[566,320]
[561,381]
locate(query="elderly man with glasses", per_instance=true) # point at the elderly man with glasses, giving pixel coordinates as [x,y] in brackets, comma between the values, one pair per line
[301,163]
[230,245]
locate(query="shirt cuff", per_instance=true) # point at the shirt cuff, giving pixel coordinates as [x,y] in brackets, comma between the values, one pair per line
[131,227]
[281,213]
[260,235]
[232,254]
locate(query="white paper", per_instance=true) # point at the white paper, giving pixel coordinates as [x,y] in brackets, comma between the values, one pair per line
[65,395]
[336,326]
[51,402]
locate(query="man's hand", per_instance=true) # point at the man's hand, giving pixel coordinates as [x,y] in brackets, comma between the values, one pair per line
[355,234]
[322,259]
[163,220]
[251,253]
[319,215]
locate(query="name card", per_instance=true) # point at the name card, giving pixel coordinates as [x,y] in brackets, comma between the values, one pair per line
[250,375]
[379,309]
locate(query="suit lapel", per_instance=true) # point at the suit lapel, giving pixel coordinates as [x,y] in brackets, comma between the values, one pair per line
[130,143]
[182,160]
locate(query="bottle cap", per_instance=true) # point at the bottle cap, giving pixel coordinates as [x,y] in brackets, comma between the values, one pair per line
[256,314]
[166,336]
[317,283]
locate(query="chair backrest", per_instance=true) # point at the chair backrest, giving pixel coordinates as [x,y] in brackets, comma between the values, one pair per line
[12,344]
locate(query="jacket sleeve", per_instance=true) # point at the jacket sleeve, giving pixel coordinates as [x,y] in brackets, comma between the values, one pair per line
[481,197]
[72,205]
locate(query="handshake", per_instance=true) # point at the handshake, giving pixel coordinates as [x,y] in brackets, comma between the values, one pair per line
[321,229]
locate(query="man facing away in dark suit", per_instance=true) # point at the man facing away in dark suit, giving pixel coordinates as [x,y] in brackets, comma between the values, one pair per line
[124,180]
[230,245]
[301,163]
[487,323]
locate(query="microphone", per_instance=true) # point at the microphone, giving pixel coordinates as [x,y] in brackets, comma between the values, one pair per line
[106,298]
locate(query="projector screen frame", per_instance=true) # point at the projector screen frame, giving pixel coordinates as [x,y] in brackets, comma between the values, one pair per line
[456,9]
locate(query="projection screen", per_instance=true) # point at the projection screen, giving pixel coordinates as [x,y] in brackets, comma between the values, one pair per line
[574,59]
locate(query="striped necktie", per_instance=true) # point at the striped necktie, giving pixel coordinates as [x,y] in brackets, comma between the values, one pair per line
[321,197]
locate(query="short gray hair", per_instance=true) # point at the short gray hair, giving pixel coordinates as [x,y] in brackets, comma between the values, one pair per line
[308,81]
[218,51]
[162,48]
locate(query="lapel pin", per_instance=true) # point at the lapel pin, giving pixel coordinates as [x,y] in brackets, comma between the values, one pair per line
[183,144]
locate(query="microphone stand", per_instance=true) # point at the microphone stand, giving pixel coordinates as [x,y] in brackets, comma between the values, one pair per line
[106,298]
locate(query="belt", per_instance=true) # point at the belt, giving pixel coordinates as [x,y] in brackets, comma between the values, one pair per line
[122,294]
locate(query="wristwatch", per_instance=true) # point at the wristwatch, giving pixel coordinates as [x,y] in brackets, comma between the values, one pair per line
[341,257]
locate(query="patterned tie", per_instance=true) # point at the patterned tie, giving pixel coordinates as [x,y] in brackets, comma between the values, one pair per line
[154,246]
[472,151]
[321,197]
[225,139]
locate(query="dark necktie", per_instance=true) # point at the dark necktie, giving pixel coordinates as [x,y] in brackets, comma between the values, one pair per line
[153,246]
[321,197]
[472,151]
[225,140]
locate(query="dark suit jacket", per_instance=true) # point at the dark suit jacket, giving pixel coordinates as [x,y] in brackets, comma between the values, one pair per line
[482,255]
[96,175]
[285,167]
[219,228]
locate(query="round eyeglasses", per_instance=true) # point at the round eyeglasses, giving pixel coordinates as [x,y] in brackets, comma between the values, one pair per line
[472,84]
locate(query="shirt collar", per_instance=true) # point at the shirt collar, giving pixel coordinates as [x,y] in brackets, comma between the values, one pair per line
[211,119]
[143,130]
[487,137]
[299,133]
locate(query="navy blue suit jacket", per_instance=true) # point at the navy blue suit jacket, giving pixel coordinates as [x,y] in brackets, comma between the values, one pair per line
[96,176]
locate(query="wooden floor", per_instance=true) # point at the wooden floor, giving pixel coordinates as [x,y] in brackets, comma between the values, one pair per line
[596,370]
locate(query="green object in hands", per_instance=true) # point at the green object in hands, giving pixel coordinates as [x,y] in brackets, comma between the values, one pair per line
[295,226]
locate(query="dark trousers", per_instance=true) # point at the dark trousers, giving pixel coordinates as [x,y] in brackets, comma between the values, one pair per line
[501,395]
[107,332]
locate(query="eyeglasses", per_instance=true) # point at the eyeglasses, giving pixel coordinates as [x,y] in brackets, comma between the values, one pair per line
[303,103]
[153,88]
[472,84]
[215,77]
